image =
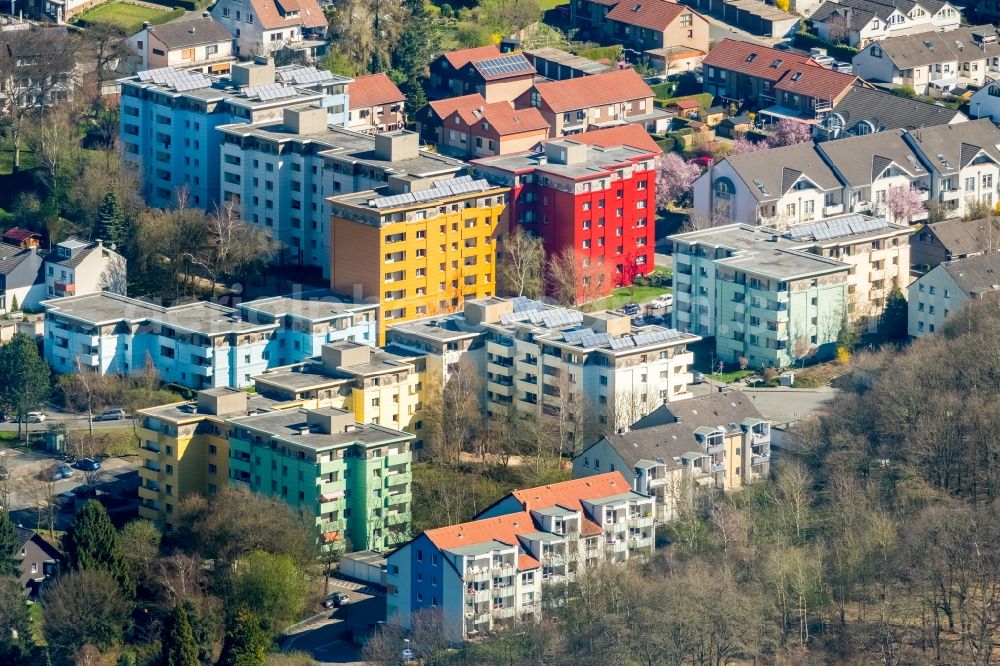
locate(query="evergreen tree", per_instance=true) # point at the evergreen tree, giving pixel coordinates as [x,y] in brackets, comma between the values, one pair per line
[246,643]
[179,647]
[412,54]
[25,383]
[92,543]
[14,305]
[892,323]
[10,546]
[111,221]
[15,625]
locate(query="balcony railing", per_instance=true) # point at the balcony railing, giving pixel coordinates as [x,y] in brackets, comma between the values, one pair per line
[760,459]
[718,467]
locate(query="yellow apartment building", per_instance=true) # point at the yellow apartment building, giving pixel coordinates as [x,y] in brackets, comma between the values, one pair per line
[419,247]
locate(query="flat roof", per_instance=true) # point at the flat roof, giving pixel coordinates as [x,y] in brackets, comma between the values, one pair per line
[289,426]
[181,83]
[598,163]
[784,264]
[617,499]
[316,306]
[290,378]
[382,200]
[568,59]
[188,411]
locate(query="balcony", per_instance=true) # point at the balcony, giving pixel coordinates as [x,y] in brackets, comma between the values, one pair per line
[616,546]
[835,209]
[473,596]
[503,568]
[951,195]
[760,459]
[717,448]
[89,359]
[398,498]
[717,467]
[398,479]
[148,494]
[63,287]
[506,611]
[645,520]
[478,574]
[152,447]
[640,542]
[152,465]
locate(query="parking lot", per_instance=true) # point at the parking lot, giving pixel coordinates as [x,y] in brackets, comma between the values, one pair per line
[329,636]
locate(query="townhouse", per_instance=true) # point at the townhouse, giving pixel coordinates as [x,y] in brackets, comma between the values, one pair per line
[946,288]
[648,26]
[860,22]
[865,111]
[491,129]
[493,571]
[417,246]
[350,480]
[556,64]
[717,441]
[169,120]
[77,268]
[576,105]
[20,285]
[199,44]
[484,70]
[376,105]
[985,102]
[948,240]
[599,202]
[197,345]
[933,63]
[583,371]
[280,176]
[430,119]
[261,27]
[775,298]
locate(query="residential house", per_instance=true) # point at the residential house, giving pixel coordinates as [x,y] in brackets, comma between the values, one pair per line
[632,136]
[77,268]
[717,441]
[948,240]
[597,202]
[964,162]
[491,129]
[498,77]
[947,287]
[775,297]
[376,105]
[21,283]
[580,370]
[933,62]
[861,22]
[655,25]
[556,64]
[865,111]
[39,561]
[21,237]
[41,65]
[280,176]
[199,44]
[593,102]
[261,27]
[985,102]
[430,119]
[495,569]
[417,247]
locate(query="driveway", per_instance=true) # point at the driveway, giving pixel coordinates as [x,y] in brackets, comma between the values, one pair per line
[328,638]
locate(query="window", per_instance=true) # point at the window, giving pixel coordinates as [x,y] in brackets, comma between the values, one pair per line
[970,184]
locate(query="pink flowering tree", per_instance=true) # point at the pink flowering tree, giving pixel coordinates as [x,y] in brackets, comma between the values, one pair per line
[674,178]
[743,145]
[903,203]
[788,133]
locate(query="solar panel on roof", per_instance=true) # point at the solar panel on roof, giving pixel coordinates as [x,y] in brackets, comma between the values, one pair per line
[509,64]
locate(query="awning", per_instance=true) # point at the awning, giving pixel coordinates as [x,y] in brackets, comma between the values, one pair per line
[332,496]
[779,111]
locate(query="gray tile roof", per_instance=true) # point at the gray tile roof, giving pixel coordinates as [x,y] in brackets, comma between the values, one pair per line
[960,237]
[862,159]
[11,257]
[975,275]
[187,32]
[861,12]
[886,111]
[767,183]
[927,48]
[949,148]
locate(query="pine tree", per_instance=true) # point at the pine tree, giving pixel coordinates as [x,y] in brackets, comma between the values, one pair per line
[14,305]
[413,53]
[92,543]
[10,546]
[111,220]
[892,323]
[246,644]
[26,377]
[179,647]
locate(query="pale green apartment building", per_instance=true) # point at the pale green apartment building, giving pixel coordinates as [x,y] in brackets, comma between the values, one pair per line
[354,480]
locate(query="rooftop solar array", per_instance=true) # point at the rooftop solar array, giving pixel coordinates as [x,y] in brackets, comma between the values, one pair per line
[303,75]
[548,317]
[837,227]
[270,91]
[523,303]
[178,79]
[643,339]
[441,189]
[509,64]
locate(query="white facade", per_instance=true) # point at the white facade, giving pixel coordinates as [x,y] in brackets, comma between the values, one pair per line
[261,27]
[932,298]
[211,55]
[985,103]
[77,268]
[888,22]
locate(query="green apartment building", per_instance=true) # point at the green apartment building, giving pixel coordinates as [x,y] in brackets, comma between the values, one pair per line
[353,479]
[758,294]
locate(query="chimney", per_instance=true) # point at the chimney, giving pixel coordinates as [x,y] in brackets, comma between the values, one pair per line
[146,25]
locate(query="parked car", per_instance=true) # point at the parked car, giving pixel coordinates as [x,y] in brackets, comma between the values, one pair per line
[110,415]
[56,472]
[662,301]
[843,67]
[697,377]
[65,470]
[654,80]
[336,600]
[631,309]
[825,61]
[88,464]
[34,417]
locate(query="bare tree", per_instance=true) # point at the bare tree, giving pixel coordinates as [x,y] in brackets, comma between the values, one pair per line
[232,246]
[453,412]
[522,265]
[573,278]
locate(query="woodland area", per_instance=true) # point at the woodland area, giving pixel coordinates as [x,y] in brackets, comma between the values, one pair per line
[877,539]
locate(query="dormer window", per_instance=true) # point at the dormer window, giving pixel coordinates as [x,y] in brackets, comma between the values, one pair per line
[751,57]
[64,252]
[776,63]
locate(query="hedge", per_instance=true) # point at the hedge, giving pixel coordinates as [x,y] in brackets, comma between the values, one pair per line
[666,145]
[807,40]
[704,100]
[612,53]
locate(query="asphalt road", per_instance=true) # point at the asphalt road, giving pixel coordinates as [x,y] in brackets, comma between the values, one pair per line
[72,421]
[329,638]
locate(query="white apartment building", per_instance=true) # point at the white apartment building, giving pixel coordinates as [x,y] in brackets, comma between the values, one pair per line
[860,22]
[946,288]
[493,571]
[281,175]
[261,27]
[560,363]
[932,62]
[77,268]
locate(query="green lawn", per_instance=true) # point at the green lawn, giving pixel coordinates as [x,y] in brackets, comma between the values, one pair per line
[623,295]
[129,17]
[728,377]
[546,5]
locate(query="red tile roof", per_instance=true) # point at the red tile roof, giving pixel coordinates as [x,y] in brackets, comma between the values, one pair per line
[568,494]
[590,528]
[597,90]
[17,235]
[459,59]
[504,529]
[755,59]
[445,107]
[273,13]
[503,119]
[622,135]
[373,90]
[816,82]
[526,562]
[652,14]
[686,104]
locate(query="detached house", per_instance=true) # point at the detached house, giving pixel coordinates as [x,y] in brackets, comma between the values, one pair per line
[947,288]
[933,62]
[860,22]
[261,27]
[491,129]
[77,268]
[593,102]
[21,286]
[376,105]
[201,44]
[498,77]
[948,240]
[656,25]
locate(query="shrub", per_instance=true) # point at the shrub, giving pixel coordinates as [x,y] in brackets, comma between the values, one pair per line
[446,11]
[666,145]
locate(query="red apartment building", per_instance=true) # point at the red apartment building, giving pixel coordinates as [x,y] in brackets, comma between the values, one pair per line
[597,199]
